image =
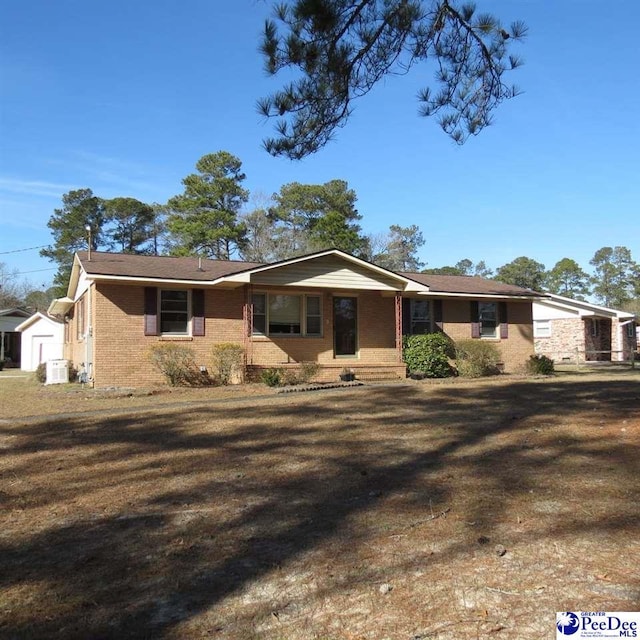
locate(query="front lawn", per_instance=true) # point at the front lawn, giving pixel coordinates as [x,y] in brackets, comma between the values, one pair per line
[449,511]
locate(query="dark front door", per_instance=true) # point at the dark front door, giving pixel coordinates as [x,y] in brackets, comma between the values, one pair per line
[345,326]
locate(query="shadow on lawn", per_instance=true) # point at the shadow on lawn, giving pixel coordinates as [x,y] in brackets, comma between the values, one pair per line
[213,509]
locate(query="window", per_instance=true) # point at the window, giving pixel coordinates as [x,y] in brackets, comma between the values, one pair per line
[420,317]
[488,318]
[286,315]
[314,316]
[259,302]
[542,328]
[631,330]
[174,312]
[595,328]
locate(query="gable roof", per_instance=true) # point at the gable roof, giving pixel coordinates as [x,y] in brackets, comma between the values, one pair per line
[233,273]
[38,316]
[470,285]
[15,311]
[584,309]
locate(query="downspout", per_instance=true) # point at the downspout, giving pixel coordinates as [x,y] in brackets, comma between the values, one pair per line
[88,356]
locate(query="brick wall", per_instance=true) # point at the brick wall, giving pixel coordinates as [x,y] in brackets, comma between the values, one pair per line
[515,350]
[122,349]
[376,337]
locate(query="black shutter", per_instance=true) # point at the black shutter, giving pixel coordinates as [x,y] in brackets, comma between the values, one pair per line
[475,319]
[437,314]
[504,320]
[406,316]
[197,306]
[150,311]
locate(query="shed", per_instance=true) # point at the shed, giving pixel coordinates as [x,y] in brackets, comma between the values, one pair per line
[42,340]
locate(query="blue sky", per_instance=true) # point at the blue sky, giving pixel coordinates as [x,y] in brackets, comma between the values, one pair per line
[124,97]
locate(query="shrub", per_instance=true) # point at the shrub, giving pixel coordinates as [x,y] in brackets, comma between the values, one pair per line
[41,373]
[177,363]
[308,371]
[272,377]
[428,354]
[477,358]
[540,365]
[227,362]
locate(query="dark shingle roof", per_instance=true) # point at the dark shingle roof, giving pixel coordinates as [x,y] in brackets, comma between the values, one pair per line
[468,284]
[186,268]
[161,267]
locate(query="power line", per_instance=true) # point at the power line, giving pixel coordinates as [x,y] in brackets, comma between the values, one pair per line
[22,273]
[4,253]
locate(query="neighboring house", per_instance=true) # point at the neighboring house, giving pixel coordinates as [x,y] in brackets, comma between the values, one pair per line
[42,339]
[569,330]
[328,307]
[9,337]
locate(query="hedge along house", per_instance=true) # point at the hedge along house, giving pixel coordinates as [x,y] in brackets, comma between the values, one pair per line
[567,330]
[328,307]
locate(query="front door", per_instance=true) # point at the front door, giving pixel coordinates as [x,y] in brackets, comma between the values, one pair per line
[345,326]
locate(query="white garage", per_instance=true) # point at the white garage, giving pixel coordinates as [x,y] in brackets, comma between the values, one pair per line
[42,340]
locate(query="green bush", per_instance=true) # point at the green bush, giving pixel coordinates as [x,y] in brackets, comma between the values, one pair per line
[428,354]
[477,358]
[227,362]
[272,377]
[540,365]
[177,363]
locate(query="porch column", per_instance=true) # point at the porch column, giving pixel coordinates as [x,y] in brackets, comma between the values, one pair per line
[398,305]
[247,326]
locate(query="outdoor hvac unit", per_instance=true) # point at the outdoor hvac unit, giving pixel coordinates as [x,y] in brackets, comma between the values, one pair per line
[57,372]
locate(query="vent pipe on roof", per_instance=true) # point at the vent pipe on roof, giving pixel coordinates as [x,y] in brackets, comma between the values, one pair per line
[88,230]
[200,264]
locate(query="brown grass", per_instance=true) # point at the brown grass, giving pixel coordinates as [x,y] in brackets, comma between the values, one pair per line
[284,517]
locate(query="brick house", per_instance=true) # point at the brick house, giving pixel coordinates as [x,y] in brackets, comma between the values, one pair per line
[567,330]
[328,307]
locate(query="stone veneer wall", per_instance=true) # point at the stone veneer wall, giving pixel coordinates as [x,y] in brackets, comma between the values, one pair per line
[565,342]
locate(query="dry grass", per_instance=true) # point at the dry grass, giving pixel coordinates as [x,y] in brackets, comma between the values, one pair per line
[282,517]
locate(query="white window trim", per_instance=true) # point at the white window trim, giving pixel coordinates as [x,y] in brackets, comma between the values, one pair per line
[189,331]
[537,324]
[303,315]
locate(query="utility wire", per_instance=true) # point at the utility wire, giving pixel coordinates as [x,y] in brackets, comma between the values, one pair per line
[4,253]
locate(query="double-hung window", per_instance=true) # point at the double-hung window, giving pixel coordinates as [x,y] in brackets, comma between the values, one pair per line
[287,314]
[420,316]
[174,312]
[542,328]
[488,318]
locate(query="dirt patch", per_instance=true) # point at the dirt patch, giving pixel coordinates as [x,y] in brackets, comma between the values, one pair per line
[411,511]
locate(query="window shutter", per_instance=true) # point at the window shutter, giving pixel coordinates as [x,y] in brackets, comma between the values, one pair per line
[475,319]
[504,321]
[150,311]
[406,316]
[437,314]
[197,307]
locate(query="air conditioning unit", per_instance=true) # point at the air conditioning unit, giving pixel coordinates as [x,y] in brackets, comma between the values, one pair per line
[57,371]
